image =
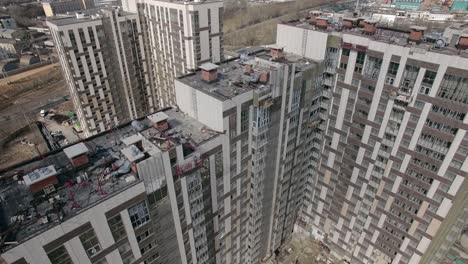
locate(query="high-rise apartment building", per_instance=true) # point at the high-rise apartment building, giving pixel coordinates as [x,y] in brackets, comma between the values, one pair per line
[390,183]
[218,180]
[179,36]
[262,105]
[105,68]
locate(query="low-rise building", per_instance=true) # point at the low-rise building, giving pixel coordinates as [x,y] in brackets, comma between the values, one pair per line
[56,7]
[6,22]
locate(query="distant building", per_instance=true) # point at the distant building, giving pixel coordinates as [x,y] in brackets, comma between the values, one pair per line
[10,48]
[7,65]
[459,6]
[40,29]
[408,4]
[6,22]
[28,59]
[103,63]
[17,34]
[54,7]
[179,36]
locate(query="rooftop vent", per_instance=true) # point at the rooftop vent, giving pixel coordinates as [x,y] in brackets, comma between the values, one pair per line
[248,69]
[77,154]
[209,72]
[370,26]
[463,42]
[80,15]
[277,52]
[416,34]
[350,22]
[159,121]
[313,16]
[322,22]
[264,77]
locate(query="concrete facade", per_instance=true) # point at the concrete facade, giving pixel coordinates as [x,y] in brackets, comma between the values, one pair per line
[390,184]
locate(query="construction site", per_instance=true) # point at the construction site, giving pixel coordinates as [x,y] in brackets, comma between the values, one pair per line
[22,98]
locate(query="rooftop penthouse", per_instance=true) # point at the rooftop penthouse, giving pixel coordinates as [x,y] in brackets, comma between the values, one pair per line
[47,191]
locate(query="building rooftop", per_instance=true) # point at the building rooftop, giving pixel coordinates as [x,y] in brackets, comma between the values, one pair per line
[432,41]
[76,150]
[43,192]
[233,78]
[182,130]
[81,16]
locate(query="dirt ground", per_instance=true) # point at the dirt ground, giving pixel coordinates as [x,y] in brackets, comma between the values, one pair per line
[14,151]
[22,96]
[302,249]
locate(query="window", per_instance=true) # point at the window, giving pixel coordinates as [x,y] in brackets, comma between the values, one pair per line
[418,104]
[90,242]
[429,77]
[341,77]
[346,52]
[125,251]
[144,235]
[372,67]
[389,80]
[409,78]
[425,89]
[139,214]
[117,228]
[360,57]
[454,88]
[233,125]
[59,256]
[244,120]
[343,65]
[152,258]
[393,68]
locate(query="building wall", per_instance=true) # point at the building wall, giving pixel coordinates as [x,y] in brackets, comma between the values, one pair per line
[385,187]
[308,43]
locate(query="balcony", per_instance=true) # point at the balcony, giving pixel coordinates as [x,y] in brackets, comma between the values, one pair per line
[328,81]
[330,69]
[326,93]
[388,142]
